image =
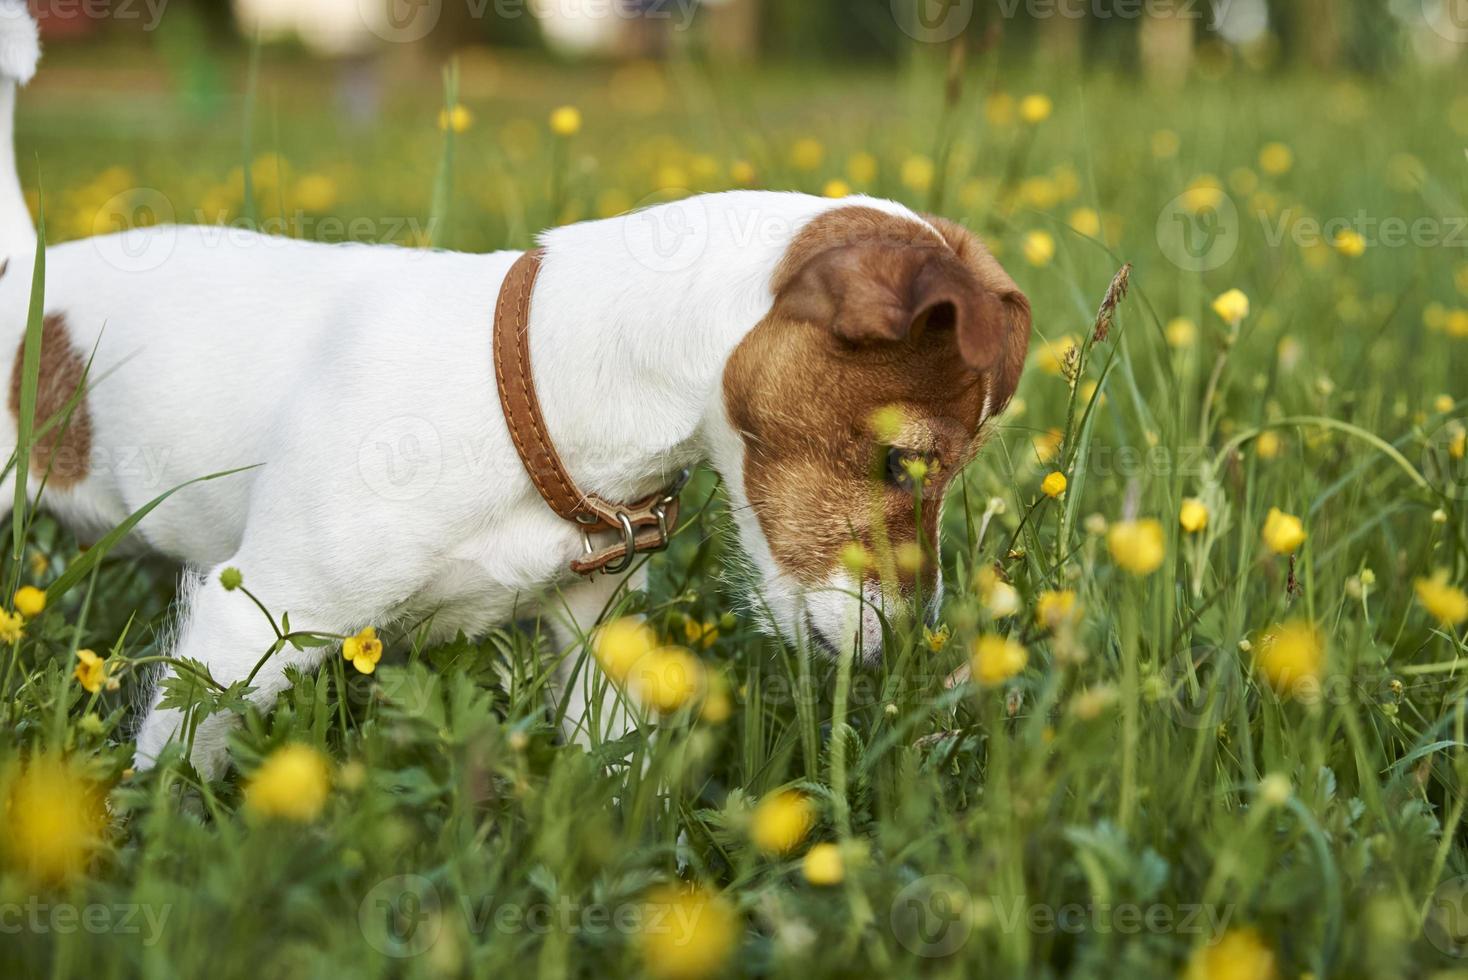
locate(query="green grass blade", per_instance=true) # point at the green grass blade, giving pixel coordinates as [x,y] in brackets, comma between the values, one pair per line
[443,181]
[80,568]
[29,382]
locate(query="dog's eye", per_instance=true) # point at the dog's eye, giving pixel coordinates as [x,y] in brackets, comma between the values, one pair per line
[909,470]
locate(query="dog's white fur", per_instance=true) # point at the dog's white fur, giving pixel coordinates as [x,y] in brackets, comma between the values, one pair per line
[360,378]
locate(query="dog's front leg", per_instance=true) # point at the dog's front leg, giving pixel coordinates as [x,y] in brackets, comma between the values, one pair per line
[594,709]
[227,632]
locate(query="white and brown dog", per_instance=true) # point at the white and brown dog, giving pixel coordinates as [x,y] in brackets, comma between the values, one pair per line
[757,332]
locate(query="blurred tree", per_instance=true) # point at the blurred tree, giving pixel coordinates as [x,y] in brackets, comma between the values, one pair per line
[732,28]
[1062,31]
[1318,27]
[1165,41]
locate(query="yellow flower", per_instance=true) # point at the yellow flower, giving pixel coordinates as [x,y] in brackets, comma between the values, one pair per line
[700,633]
[1350,243]
[1165,144]
[918,173]
[1086,221]
[861,168]
[742,173]
[1204,193]
[1181,332]
[823,865]
[1232,306]
[30,601]
[998,596]
[316,193]
[458,119]
[996,659]
[1090,704]
[1238,955]
[565,121]
[1447,604]
[855,558]
[1193,516]
[1047,444]
[54,820]
[91,672]
[12,627]
[1283,533]
[1038,248]
[1442,404]
[363,650]
[837,189]
[1051,355]
[292,784]
[887,422]
[1267,445]
[937,639]
[1035,108]
[1137,546]
[620,644]
[669,678]
[1289,654]
[1054,484]
[1243,181]
[1055,607]
[1434,316]
[1040,193]
[1276,159]
[717,706]
[686,934]
[1455,323]
[781,821]
[999,109]
[807,154]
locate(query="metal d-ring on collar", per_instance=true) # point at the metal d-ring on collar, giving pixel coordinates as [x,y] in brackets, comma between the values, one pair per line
[630,546]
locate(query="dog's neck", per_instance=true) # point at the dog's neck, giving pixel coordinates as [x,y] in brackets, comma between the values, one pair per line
[634,319]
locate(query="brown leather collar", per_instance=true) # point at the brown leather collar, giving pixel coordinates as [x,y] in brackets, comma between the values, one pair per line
[644,525]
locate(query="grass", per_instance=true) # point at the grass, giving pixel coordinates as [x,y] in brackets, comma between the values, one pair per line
[1137,801]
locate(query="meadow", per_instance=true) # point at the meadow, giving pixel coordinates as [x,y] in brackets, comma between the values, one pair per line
[1194,708]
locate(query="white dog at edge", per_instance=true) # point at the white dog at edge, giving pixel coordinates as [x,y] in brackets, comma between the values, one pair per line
[759,332]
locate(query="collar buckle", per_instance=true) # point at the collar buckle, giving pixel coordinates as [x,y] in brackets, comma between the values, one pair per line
[645,527]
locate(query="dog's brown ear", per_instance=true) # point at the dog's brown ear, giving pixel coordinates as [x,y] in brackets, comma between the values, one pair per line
[874,292]
[888,290]
[997,341]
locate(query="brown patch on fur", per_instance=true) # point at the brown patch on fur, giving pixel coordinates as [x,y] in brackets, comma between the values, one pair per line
[872,311]
[64,453]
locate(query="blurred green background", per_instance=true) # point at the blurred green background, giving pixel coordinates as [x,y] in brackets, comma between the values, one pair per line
[1331,831]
